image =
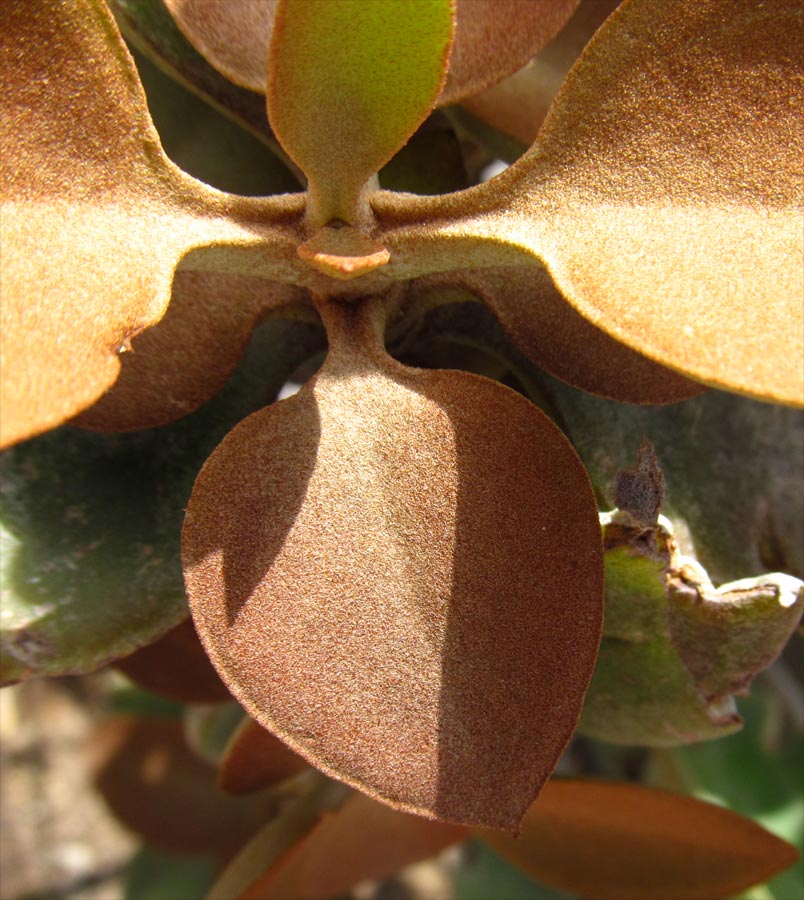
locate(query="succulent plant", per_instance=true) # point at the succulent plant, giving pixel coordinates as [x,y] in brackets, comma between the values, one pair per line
[398,571]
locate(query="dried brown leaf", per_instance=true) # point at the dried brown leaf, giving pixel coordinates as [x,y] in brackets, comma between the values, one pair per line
[618,841]
[394,584]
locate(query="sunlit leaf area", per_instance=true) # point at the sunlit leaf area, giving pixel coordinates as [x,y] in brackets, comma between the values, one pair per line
[402,471]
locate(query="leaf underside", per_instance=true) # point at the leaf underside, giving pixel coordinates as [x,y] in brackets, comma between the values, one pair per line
[620,841]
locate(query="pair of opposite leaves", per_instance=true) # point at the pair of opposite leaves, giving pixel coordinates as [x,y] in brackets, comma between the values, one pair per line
[360,559]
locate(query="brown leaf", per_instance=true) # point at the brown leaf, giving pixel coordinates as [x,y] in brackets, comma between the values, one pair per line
[399,573]
[640,491]
[174,367]
[94,216]
[254,759]
[661,194]
[232,36]
[177,667]
[494,38]
[618,841]
[153,783]
[518,104]
[554,336]
[362,840]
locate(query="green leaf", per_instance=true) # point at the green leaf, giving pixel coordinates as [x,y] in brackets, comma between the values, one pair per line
[91,523]
[349,83]
[674,650]
[486,874]
[155,876]
[734,471]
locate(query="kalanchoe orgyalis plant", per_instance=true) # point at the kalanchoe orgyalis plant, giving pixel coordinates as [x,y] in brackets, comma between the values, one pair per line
[400,571]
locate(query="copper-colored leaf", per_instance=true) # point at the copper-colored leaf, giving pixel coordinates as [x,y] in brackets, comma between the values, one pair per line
[618,841]
[172,368]
[254,759]
[94,216]
[234,36]
[159,789]
[399,573]
[363,840]
[177,667]
[348,83]
[518,104]
[557,338]
[662,193]
[496,37]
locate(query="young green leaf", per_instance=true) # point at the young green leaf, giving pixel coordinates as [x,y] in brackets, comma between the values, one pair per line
[349,82]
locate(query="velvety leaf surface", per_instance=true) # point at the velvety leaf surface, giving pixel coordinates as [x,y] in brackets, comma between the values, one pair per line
[362,840]
[675,650]
[492,39]
[495,37]
[206,138]
[94,217]
[91,523]
[147,775]
[518,104]
[254,759]
[662,193]
[620,841]
[234,36]
[349,82]
[347,553]
[177,667]
[172,368]
[554,336]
